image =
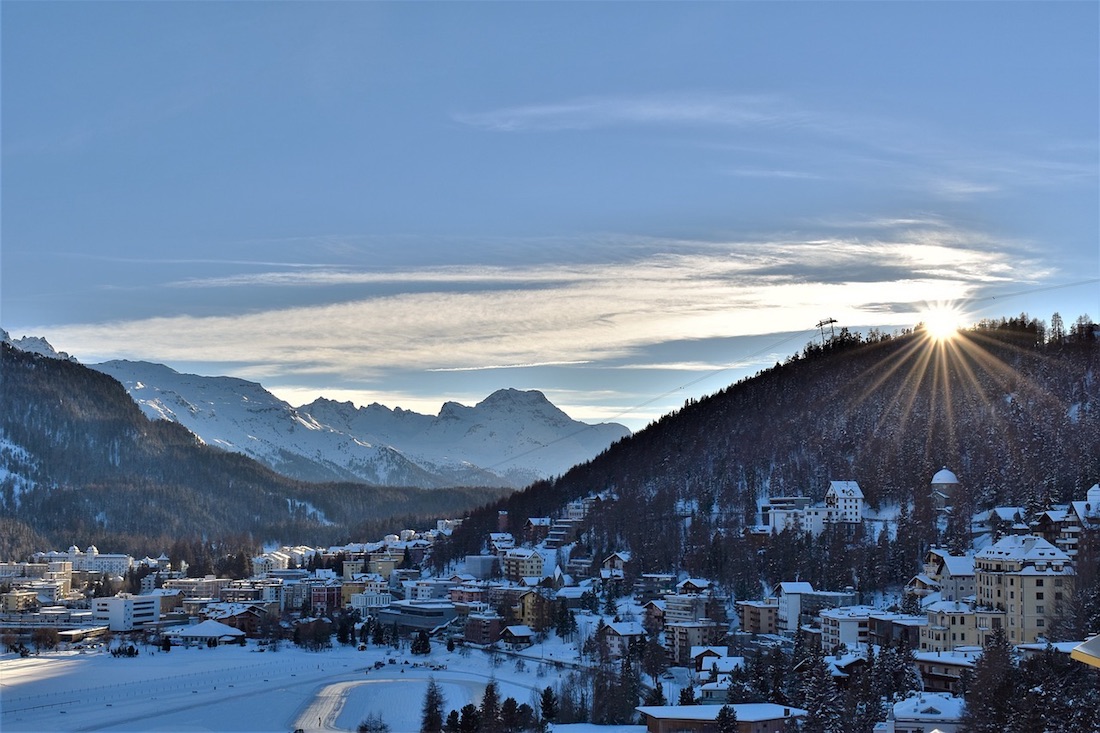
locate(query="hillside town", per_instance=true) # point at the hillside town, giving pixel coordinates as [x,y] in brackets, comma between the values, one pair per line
[686,648]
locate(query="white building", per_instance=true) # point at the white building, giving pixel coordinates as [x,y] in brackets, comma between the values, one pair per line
[125,612]
[843,504]
[847,625]
[924,711]
[91,561]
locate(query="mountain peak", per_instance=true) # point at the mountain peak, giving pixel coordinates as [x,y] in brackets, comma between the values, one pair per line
[35,345]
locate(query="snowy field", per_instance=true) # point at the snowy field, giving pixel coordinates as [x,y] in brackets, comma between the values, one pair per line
[232,688]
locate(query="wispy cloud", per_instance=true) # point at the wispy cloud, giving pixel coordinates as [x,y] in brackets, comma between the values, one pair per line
[587,113]
[602,313]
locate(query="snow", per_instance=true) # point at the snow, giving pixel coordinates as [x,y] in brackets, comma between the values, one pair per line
[231,688]
[510,438]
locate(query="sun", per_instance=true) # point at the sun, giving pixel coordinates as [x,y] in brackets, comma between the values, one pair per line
[941,322]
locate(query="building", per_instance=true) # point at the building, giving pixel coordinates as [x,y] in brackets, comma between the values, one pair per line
[91,561]
[944,485]
[942,671]
[681,636]
[950,624]
[844,502]
[848,626]
[483,628]
[535,609]
[18,601]
[619,636]
[412,616]
[520,562]
[952,576]
[761,717]
[758,617]
[207,587]
[924,711]
[125,612]
[887,629]
[798,603]
[1024,583]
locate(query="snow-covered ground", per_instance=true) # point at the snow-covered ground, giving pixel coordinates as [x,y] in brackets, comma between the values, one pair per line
[232,688]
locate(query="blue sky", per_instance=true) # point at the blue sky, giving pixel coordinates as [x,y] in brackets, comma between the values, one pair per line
[619,204]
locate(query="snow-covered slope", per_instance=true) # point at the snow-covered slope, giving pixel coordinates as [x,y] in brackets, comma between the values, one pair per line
[35,345]
[516,434]
[242,416]
[511,438]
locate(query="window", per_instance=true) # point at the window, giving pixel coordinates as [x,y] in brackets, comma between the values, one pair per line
[1038,609]
[1039,596]
[1039,583]
[1040,622]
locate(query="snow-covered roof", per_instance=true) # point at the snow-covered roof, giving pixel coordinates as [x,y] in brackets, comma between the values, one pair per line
[796,587]
[1023,548]
[1088,652]
[930,706]
[518,630]
[747,712]
[626,628]
[945,476]
[948,607]
[719,651]
[959,566]
[206,630]
[847,489]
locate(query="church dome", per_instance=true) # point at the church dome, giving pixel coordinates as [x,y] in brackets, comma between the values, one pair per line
[944,476]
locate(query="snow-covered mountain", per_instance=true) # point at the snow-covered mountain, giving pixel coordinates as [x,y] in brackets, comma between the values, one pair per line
[35,345]
[509,439]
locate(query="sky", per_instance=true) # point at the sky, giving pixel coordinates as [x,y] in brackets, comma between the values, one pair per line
[623,205]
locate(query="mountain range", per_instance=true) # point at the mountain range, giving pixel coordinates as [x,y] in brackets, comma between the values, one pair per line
[509,439]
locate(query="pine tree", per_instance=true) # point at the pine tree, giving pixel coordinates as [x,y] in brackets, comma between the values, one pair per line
[687,695]
[548,704]
[821,699]
[431,720]
[727,720]
[989,702]
[490,709]
[421,644]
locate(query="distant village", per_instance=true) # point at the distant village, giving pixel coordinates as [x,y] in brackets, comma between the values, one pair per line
[1014,582]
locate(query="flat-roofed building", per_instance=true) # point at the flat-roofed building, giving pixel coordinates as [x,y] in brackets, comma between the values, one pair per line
[125,612]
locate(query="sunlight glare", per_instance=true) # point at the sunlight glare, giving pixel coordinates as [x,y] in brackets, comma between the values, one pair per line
[941,323]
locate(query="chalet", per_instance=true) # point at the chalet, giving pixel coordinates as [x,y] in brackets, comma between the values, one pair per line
[517,637]
[701,656]
[246,617]
[941,671]
[619,637]
[535,529]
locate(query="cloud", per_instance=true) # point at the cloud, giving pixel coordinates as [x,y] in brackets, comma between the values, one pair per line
[602,313]
[588,113]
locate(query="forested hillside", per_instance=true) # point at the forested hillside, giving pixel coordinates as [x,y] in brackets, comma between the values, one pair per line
[1016,415]
[80,463]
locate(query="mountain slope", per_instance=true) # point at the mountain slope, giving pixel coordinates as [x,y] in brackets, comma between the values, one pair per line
[80,462]
[509,439]
[1017,419]
[243,417]
[519,435]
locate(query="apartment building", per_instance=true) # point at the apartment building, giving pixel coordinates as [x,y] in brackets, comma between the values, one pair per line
[1024,583]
